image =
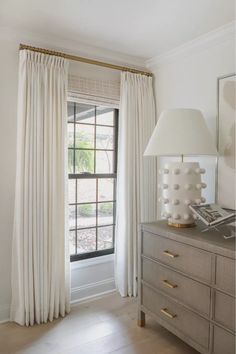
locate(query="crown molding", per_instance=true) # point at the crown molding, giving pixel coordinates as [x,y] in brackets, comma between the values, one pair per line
[212,38]
[69,46]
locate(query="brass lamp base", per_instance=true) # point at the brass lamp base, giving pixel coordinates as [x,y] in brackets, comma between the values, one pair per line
[181,225]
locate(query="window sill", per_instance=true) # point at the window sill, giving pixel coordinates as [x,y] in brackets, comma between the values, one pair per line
[92,261]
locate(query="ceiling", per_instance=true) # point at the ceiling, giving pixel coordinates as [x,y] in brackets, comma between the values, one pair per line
[141,28]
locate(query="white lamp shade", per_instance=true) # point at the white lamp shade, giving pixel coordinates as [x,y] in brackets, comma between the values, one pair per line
[181,132]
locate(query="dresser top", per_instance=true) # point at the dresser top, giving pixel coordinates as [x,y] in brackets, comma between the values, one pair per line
[210,240]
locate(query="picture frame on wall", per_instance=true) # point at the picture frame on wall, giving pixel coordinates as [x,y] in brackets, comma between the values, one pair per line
[226,119]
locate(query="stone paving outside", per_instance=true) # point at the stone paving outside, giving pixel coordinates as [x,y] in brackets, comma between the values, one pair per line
[86,239]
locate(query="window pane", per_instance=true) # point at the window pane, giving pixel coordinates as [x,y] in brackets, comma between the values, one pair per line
[105,116]
[70,111]
[105,213]
[105,237]
[104,161]
[104,138]
[84,138]
[86,240]
[91,140]
[71,191]
[84,161]
[70,161]
[70,134]
[72,242]
[105,189]
[71,216]
[86,215]
[85,113]
[86,189]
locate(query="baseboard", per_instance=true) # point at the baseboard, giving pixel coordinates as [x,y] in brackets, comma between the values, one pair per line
[5,321]
[92,291]
[4,313]
[92,297]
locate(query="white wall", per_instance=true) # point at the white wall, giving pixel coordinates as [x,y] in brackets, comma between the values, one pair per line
[88,279]
[8,99]
[187,78]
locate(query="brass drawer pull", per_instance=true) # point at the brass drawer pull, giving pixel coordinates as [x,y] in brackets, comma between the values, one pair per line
[167,313]
[169,285]
[170,254]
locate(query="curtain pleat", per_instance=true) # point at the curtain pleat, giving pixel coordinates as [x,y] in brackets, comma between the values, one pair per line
[136,179]
[40,258]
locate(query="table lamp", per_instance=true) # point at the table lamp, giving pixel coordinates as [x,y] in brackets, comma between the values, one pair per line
[181,132]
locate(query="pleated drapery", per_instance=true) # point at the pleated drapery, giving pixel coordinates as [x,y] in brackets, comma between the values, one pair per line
[136,179]
[40,258]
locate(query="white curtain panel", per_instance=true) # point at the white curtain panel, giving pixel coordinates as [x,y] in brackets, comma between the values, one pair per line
[40,259]
[136,180]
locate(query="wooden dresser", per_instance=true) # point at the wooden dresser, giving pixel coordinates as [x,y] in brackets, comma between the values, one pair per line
[187,283]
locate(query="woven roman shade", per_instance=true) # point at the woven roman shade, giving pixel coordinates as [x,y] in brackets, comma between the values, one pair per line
[95,92]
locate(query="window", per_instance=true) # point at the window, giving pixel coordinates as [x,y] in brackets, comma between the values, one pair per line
[92,162]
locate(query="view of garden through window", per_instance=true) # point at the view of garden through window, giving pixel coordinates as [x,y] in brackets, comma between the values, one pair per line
[92,158]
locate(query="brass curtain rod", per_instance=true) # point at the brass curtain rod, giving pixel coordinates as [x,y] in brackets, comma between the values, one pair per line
[84,60]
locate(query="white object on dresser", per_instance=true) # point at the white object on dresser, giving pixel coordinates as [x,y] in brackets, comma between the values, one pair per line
[181,132]
[183,185]
[187,283]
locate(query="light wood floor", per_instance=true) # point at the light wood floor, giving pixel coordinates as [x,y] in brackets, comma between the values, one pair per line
[107,325]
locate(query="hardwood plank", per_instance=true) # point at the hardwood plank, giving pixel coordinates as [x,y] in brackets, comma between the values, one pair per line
[107,325]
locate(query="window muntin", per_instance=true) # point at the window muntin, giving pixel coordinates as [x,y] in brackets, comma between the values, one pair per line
[92,160]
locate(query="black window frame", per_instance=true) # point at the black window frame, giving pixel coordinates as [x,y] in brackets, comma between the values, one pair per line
[96,176]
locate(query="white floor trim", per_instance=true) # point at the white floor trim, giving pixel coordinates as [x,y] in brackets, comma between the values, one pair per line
[4,314]
[92,297]
[93,290]
[5,321]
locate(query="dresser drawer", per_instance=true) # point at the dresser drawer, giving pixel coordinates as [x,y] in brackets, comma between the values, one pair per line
[178,286]
[179,256]
[177,316]
[224,310]
[225,274]
[223,341]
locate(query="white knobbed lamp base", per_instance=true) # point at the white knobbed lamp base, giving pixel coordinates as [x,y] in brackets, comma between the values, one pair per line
[181,187]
